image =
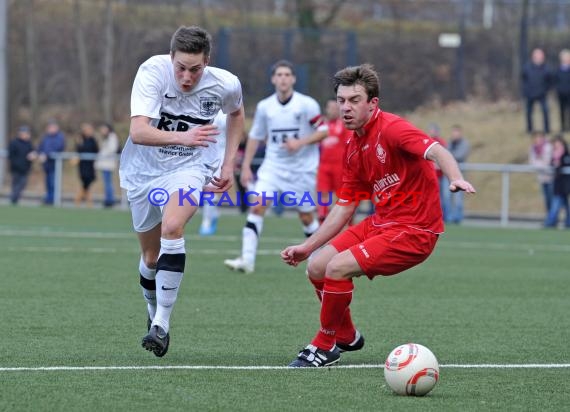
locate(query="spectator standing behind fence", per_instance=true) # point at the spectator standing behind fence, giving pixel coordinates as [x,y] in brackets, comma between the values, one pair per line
[562,85]
[536,81]
[21,153]
[561,163]
[87,144]
[444,194]
[540,156]
[106,161]
[459,148]
[52,142]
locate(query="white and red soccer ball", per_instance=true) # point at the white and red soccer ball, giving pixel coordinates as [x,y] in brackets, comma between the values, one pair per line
[411,369]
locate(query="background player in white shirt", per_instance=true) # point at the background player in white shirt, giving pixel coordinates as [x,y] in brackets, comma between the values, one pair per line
[171,151]
[291,123]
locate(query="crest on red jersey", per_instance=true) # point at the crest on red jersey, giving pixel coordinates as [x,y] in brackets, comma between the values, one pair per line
[381,153]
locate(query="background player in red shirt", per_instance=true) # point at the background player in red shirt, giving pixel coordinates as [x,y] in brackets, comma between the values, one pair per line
[329,175]
[386,158]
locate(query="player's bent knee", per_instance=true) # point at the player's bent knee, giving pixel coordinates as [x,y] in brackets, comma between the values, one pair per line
[172,229]
[150,259]
[337,269]
[316,269]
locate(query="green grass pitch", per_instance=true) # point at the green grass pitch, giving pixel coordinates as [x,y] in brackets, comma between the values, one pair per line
[70,297]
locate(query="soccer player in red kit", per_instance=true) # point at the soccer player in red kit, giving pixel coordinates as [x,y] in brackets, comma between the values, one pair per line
[329,175]
[388,159]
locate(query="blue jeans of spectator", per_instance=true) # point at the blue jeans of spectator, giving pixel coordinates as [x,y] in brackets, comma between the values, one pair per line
[108,187]
[19,181]
[544,107]
[50,187]
[547,193]
[456,207]
[558,202]
[444,197]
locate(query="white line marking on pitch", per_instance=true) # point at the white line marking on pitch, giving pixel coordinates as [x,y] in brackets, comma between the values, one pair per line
[267,367]
[41,233]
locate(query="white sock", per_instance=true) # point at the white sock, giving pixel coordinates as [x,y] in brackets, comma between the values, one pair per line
[148,286]
[251,232]
[209,213]
[169,272]
[311,227]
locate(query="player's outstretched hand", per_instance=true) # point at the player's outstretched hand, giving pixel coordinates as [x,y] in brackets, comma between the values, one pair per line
[293,255]
[222,183]
[457,185]
[202,135]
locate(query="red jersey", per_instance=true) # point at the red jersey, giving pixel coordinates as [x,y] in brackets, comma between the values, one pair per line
[332,147]
[388,165]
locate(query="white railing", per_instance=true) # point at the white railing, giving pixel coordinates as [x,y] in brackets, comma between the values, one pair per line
[505,170]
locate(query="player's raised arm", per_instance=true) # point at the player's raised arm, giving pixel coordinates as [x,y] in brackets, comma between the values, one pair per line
[450,168]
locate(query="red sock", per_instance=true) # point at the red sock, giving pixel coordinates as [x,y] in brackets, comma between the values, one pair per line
[319,286]
[346,331]
[337,295]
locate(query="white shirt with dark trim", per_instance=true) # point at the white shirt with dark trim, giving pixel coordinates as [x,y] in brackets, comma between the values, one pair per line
[156,95]
[298,118]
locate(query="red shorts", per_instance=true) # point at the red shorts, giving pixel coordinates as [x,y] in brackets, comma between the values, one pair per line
[385,250]
[329,178]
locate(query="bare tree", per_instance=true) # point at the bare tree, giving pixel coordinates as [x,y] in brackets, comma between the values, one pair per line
[523,42]
[306,14]
[82,57]
[107,98]
[31,53]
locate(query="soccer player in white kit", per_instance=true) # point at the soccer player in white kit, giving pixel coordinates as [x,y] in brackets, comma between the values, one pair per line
[291,123]
[170,157]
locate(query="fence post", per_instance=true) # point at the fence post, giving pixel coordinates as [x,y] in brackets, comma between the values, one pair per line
[58,186]
[505,189]
[351,49]
[223,59]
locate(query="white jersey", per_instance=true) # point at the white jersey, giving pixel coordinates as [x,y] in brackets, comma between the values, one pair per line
[156,95]
[220,123]
[296,119]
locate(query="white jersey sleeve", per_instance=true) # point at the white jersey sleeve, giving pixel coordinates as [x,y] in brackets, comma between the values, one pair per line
[146,97]
[234,98]
[258,129]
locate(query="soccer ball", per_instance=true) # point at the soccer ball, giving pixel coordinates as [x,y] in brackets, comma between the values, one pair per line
[411,369]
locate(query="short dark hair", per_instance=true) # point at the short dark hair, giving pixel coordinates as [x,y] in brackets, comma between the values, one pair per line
[282,63]
[191,39]
[364,75]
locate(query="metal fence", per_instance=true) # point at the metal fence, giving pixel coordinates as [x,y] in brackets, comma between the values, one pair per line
[491,179]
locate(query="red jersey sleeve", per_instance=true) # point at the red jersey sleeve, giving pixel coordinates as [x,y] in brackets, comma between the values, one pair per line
[409,138]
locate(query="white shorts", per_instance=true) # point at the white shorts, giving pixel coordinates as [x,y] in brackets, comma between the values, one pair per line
[147,202]
[299,184]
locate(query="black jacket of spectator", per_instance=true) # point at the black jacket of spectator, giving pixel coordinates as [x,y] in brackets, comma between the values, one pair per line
[18,155]
[536,80]
[562,81]
[88,144]
[562,176]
